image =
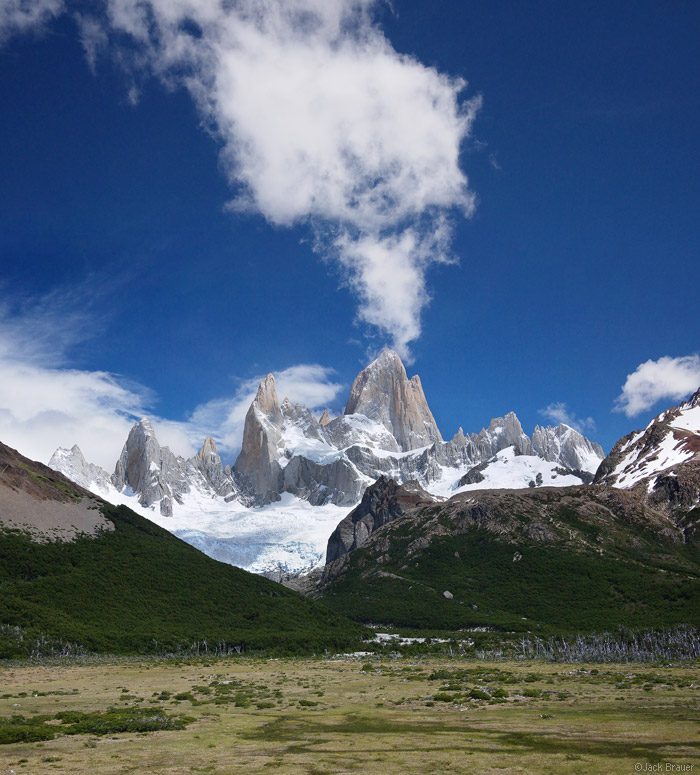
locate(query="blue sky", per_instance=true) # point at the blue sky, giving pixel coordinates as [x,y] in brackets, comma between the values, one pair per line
[130,284]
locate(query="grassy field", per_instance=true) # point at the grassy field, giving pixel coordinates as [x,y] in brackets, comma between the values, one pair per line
[310,717]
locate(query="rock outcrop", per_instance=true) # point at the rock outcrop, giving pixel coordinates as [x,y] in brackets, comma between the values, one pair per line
[158,476]
[150,470]
[383,392]
[669,440]
[381,503]
[258,461]
[568,447]
[208,462]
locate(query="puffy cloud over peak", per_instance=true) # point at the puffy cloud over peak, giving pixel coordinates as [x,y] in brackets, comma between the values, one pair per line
[666,378]
[321,122]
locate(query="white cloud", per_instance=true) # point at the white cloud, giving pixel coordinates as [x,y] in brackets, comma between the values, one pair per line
[92,36]
[388,276]
[321,122]
[45,404]
[17,16]
[44,408]
[666,378]
[559,412]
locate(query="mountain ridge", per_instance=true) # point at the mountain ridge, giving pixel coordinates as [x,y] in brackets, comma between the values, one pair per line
[387,429]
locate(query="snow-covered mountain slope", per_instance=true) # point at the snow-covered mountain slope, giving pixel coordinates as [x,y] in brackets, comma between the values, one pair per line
[72,463]
[669,440]
[510,471]
[296,474]
[289,535]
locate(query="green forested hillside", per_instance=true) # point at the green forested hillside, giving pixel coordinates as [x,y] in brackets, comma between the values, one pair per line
[140,589]
[567,561]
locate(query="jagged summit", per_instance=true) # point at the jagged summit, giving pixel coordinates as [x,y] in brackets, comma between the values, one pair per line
[258,461]
[383,392]
[290,457]
[72,463]
[265,400]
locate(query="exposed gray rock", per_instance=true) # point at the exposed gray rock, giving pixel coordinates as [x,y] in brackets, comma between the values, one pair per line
[382,502]
[258,461]
[670,439]
[337,482]
[150,470]
[502,432]
[208,462]
[156,475]
[285,449]
[562,444]
[383,392]
[474,475]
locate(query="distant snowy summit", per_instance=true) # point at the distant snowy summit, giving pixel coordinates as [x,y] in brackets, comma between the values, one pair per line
[386,429]
[150,473]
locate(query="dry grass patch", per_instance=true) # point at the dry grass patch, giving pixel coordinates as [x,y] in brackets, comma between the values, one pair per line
[311,717]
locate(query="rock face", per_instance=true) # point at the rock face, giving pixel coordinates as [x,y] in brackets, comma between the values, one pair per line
[208,462]
[387,429]
[158,476]
[568,447]
[150,470]
[384,393]
[383,502]
[662,464]
[258,462]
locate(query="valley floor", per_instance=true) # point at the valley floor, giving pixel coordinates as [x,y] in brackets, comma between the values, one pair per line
[316,717]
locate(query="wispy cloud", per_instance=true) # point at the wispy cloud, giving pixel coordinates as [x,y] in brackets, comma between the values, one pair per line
[559,412]
[17,16]
[666,378]
[321,122]
[45,403]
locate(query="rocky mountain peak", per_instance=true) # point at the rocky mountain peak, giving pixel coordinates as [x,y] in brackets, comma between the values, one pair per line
[72,463]
[325,418]
[262,447]
[383,392]
[459,437]
[208,449]
[266,399]
[146,468]
[504,432]
[208,462]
